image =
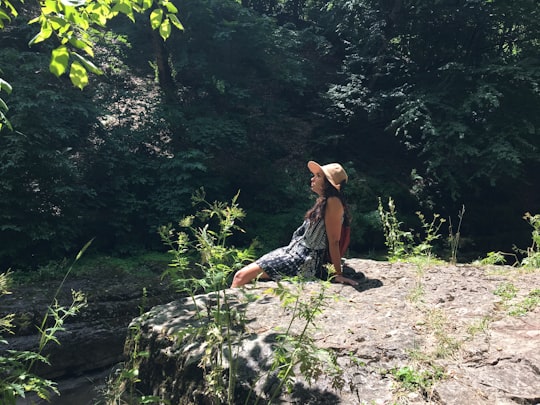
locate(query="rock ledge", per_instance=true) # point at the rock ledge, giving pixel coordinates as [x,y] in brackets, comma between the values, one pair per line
[435,319]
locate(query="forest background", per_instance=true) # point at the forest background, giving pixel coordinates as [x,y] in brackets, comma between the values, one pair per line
[433,103]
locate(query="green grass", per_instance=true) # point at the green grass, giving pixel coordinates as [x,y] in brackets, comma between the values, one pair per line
[526,305]
[145,264]
[411,379]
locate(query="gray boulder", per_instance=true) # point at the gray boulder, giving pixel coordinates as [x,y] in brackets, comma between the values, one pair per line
[407,333]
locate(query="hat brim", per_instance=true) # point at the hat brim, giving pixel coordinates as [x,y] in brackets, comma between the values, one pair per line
[314,167]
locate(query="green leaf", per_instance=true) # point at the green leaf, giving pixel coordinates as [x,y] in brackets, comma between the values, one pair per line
[156,17]
[45,32]
[171,8]
[78,75]
[5,86]
[124,8]
[99,13]
[80,44]
[10,7]
[59,24]
[4,16]
[175,21]
[3,105]
[59,61]
[73,3]
[80,20]
[87,64]
[165,29]
[50,7]
[4,121]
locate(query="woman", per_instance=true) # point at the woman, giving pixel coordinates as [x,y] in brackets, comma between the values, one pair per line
[317,237]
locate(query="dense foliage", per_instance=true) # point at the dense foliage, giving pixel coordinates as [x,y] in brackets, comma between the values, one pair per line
[431,103]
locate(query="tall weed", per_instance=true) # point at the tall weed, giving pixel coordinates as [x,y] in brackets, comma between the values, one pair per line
[297,351]
[408,245]
[17,377]
[202,262]
[454,237]
[531,255]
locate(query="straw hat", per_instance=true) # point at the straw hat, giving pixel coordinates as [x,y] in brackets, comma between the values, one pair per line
[334,172]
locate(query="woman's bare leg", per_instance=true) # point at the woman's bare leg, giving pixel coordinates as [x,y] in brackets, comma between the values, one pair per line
[246,274]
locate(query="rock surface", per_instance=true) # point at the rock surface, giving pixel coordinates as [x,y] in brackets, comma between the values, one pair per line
[94,339]
[407,333]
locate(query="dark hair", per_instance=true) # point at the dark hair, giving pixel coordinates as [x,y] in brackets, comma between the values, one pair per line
[316,212]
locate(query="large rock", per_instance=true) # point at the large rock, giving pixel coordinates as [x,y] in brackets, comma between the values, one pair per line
[406,334]
[94,339]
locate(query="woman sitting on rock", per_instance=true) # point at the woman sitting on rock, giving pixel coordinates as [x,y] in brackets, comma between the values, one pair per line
[317,237]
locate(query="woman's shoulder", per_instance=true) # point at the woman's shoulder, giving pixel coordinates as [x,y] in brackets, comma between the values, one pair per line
[334,203]
[334,200]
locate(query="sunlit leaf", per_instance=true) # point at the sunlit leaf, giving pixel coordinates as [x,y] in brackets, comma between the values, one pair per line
[50,6]
[87,64]
[80,21]
[5,86]
[4,122]
[78,75]
[81,252]
[124,8]
[73,3]
[45,32]
[165,29]
[99,13]
[12,10]
[175,21]
[3,105]
[59,24]
[171,8]
[156,17]
[4,16]
[59,61]
[79,44]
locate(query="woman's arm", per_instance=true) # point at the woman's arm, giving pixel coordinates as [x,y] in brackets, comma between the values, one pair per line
[333,218]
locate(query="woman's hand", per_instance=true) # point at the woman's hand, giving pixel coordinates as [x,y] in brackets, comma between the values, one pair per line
[344,280]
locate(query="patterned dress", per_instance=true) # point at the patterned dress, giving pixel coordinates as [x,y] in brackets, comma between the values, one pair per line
[304,255]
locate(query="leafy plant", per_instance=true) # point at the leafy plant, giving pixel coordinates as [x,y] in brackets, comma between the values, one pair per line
[417,292]
[493,258]
[397,241]
[16,367]
[497,258]
[201,262]
[446,344]
[417,380]
[214,263]
[298,352]
[407,245]
[121,388]
[201,259]
[73,24]
[430,233]
[532,259]
[453,238]
[528,304]
[481,325]
[507,291]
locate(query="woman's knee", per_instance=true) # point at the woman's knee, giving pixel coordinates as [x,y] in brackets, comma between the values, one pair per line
[246,274]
